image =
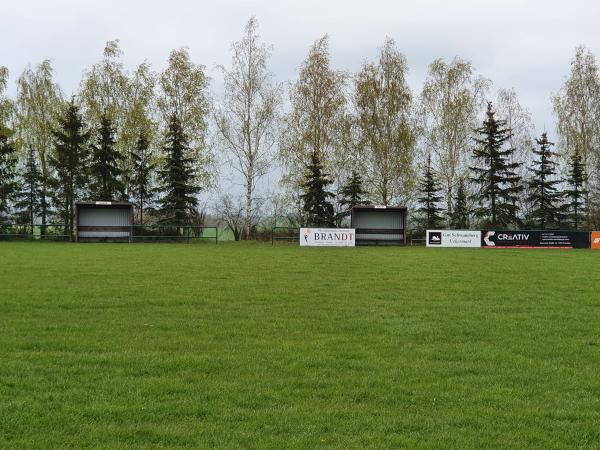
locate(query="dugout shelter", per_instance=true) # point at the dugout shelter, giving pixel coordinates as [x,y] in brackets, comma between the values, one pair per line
[379,225]
[104,221]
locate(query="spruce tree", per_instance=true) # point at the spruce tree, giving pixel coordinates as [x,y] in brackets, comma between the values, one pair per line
[459,219]
[430,198]
[69,160]
[544,196]
[576,192]
[177,176]
[30,198]
[8,162]
[499,183]
[353,193]
[316,204]
[141,177]
[104,171]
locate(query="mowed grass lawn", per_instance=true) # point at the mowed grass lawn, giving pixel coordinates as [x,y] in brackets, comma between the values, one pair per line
[252,346]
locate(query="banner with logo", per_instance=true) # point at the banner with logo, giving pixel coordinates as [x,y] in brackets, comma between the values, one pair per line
[535,239]
[327,237]
[596,240]
[453,238]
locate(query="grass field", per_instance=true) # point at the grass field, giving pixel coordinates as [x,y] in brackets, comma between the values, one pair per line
[252,346]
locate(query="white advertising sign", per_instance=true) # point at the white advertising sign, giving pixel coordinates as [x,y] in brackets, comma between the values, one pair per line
[453,238]
[327,237]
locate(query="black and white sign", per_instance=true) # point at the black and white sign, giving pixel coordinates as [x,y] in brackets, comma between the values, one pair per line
[327,237]
[453,238]
[535,239]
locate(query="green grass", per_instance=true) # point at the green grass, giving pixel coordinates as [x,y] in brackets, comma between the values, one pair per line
[253,346]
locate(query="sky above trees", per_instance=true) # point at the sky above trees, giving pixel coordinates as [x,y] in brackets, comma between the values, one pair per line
[517,44]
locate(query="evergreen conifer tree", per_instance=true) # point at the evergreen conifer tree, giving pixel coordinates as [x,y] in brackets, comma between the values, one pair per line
[353,193]
[8,161]
[177,176]
[544,195]
[459,219]
[30,198]
[70,161]
[141,180]
[316,204]
[104,170]
[576,192]
[430,198]
[499,183]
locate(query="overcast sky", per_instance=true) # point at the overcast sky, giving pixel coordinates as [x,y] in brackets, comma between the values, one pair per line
[526,44]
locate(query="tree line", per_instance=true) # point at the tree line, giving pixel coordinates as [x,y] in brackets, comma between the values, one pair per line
[503,197]
[456,153]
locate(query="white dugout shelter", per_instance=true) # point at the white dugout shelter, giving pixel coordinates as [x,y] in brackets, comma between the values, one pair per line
[104,221]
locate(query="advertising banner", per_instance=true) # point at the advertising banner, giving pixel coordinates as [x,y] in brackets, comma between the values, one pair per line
[535,239]
[596,240]
[453,238]
[327,237]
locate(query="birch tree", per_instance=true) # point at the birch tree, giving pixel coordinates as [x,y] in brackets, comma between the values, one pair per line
[183,92]
[5,103]
[8,158]
[104,86]
[247,120]
[8,181]
[39,103]
[318,103]
[384,108]
[346,159]
[451,100]
[109,91]
[519,120]
[140,104]
[577,109]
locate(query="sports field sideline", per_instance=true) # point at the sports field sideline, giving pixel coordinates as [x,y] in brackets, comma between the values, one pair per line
[253,346]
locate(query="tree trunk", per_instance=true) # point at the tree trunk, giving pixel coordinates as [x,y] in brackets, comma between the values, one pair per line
[43,210]
[68,217]
[141,210]
[248,216]
[449,199]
